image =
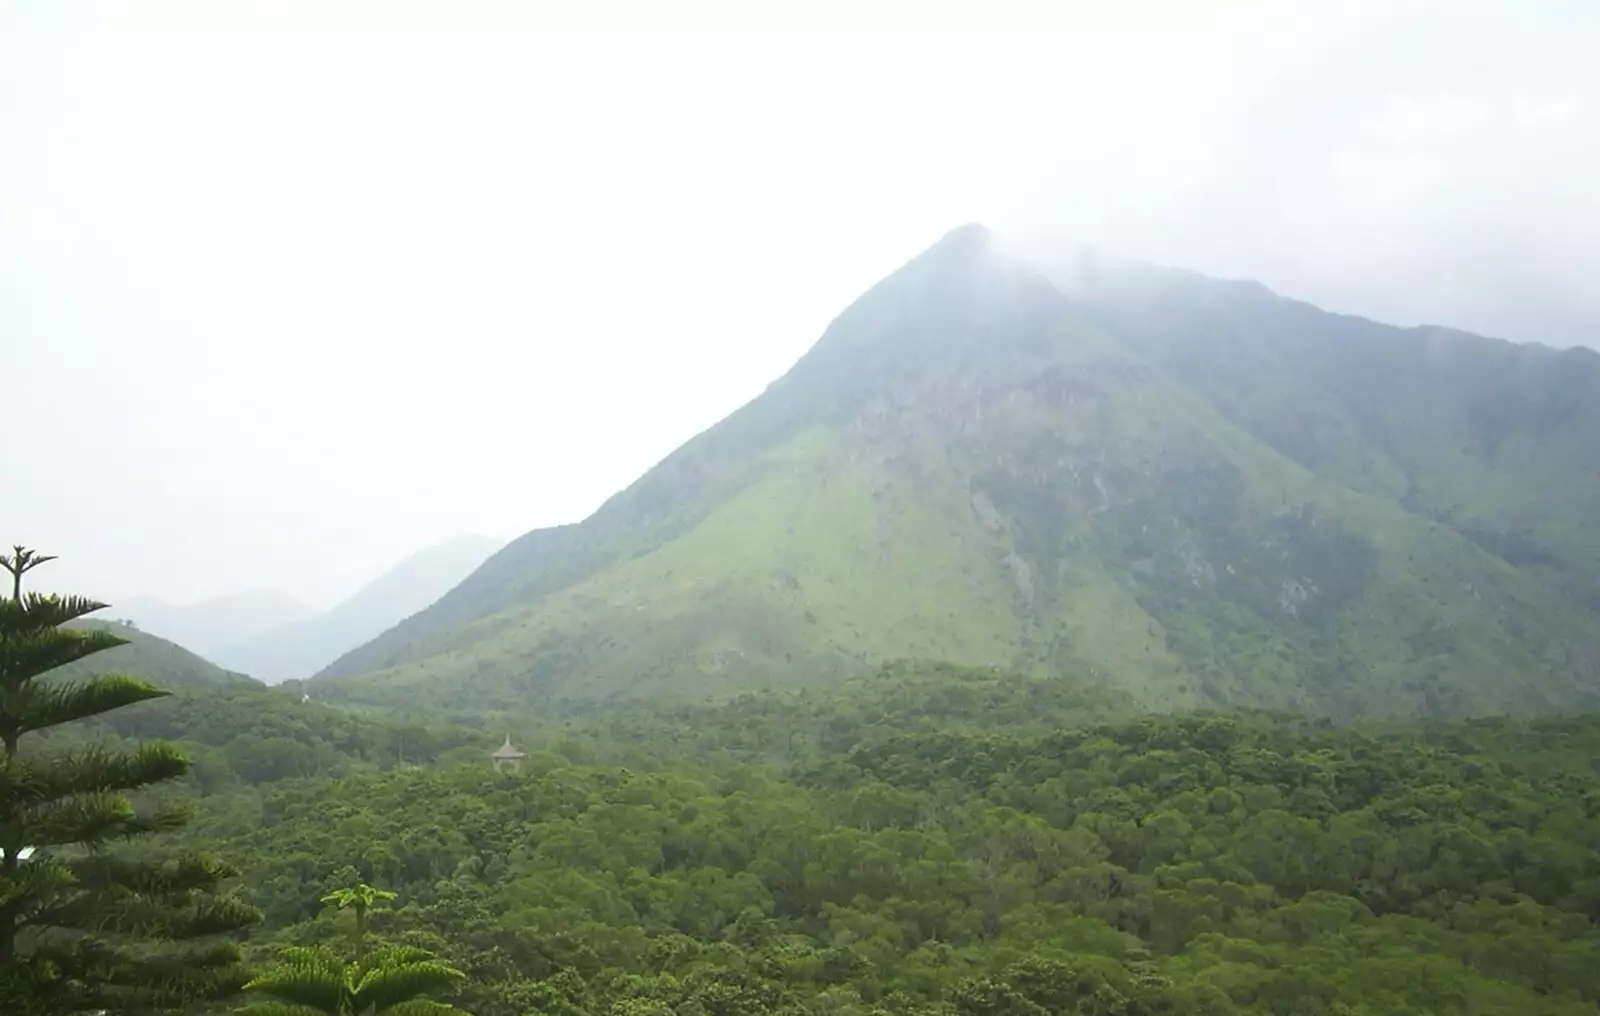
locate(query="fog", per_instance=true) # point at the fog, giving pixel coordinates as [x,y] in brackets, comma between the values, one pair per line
[290,291]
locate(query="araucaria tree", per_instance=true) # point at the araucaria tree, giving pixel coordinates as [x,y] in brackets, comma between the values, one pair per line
[82,929]
[387,981]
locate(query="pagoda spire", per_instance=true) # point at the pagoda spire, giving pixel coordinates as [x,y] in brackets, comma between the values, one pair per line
[507,756]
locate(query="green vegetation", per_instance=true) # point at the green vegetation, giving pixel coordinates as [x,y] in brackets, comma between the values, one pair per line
[1205,493]
[925,840]
[942,840]
[386,982]
[392,981]
[1493,440]
[241,735]
[83,928]
[1288,553]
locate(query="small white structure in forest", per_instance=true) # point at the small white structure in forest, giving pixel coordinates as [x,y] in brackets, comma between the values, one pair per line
[507,757]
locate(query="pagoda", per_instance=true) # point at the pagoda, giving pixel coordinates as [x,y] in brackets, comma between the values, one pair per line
[507,757]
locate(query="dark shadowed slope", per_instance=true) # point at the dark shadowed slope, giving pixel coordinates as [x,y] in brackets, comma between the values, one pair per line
[1497,440]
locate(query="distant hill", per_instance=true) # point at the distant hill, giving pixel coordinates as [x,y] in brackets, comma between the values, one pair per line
[151,657]
[1193,490]
[211,624]
[298,649]
[235,729]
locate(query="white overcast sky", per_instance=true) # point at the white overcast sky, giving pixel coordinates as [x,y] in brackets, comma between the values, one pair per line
[290,290]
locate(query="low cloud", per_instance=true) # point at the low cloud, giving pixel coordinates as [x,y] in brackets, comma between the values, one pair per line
[304,288]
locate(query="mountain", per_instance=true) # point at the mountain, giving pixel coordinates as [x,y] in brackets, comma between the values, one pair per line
[151,657]
[1496,440]
[1194,490]
[220,621]
[298,649]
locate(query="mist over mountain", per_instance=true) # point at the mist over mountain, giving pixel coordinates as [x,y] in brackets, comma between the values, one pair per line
[209,624]
[149,657]
[1166,594]
[299,648]
[1191,489]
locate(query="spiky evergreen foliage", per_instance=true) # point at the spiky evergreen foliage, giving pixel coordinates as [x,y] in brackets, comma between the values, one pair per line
[359,898]
[83,929]
[389,981]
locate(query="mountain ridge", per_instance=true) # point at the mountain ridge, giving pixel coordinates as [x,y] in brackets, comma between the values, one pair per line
[767,416]
[297,649]
[217,621]
[149,657]
[1043,476]
[1517,390]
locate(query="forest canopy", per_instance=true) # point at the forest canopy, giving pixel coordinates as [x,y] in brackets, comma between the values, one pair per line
[888,846]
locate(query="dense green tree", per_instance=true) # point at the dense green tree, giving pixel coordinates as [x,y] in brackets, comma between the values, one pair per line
[387,981]
[83,927]
[927,842]
[740,858]
[390,981]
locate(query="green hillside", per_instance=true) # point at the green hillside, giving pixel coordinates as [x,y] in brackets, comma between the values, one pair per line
[238,731]
[1498,441]
[974,465]
[164,664]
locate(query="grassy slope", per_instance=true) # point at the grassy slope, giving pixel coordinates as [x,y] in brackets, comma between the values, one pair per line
[812,570]
[1209,530]
[966,469]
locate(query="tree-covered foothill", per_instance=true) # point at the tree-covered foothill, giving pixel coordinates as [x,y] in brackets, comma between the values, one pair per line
[242,735]
[87,924]
[881,848]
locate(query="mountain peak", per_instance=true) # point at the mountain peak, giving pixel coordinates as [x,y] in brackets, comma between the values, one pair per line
[955,293]
[966,238]
[972,464]
[957,253]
